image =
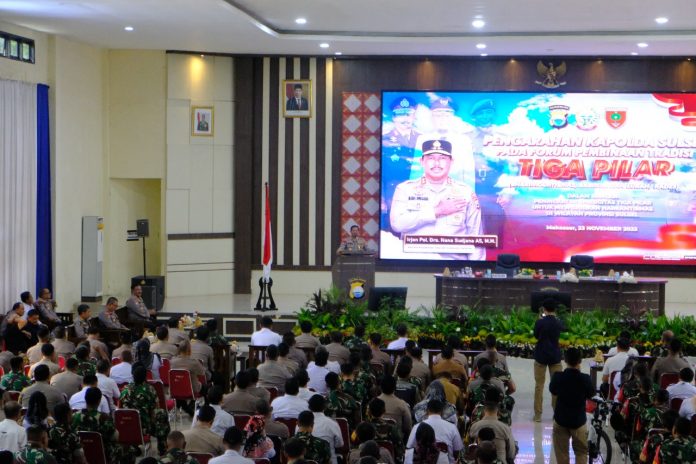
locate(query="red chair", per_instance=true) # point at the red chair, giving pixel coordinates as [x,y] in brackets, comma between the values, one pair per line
[13,395]
[675,404]
[180,386]
[290,423]
[345,434]
[612,390]
[240,420]
[164,371]
[148,375]
[93,447]
[387,445]
[26,370]
[115,361]
[273,391]
[61,363]
[129,428]
[162,402]
[2,371]
[202,458]
[668,378]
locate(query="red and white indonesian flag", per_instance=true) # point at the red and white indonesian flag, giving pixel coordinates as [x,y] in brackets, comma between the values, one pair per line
[267,240]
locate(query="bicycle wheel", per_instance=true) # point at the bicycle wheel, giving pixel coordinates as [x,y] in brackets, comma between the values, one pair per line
[603,454]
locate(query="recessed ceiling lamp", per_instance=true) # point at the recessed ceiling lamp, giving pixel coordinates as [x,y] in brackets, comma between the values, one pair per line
[642,44]
[338,53]
[301,21]
[661,20]
[484,54]
[478,23]
[481,46]
[129,28]
[634,53]
[324,45]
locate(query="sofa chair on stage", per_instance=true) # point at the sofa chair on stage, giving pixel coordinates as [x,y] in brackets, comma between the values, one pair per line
[507,263]
[582,262]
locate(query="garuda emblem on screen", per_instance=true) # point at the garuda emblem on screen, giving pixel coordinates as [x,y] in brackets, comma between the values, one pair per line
[550,75]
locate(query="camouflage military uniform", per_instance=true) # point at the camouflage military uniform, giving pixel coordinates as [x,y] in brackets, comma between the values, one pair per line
[648,418]
[14,381]
[650,446]
[478,396]
[93,421]
[355,388]
[86,368]
[177,456]
[63,443]
[678,450]
[33,455]
[144,399]
[217,340]
[387,431]
[340,404]
[354,343]
[316,449]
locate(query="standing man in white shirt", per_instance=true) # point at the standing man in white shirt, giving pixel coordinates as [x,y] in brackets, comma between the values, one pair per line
[223,420]
[233,441]
[289,405]
[446,432]
[685,387]
[266,336]
[325,427]
[13,437]
[399,343]
[106,384]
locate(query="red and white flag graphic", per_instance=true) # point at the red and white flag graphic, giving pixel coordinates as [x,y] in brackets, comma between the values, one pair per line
[267,240]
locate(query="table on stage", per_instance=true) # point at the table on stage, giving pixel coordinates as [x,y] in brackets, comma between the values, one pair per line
[587,294]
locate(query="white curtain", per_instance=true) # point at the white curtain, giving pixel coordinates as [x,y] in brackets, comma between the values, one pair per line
[17,190]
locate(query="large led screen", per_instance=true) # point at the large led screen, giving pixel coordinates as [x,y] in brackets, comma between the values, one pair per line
[470,175]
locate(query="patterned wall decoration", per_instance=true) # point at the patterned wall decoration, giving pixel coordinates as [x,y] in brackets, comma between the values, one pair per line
[360,174]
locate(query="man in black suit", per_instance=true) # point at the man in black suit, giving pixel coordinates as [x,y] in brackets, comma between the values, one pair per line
[298,102]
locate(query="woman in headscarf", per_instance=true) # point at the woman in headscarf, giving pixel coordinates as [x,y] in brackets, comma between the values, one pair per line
[435,391]
[151,361]
[257,444]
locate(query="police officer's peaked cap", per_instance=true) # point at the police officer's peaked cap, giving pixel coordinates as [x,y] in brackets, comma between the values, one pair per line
[443,103]
[441,147]
[485,104]
[403,105]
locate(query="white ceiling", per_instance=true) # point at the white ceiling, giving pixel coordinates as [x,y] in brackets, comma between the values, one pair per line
[370,27]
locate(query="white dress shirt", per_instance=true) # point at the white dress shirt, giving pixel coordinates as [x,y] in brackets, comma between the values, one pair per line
[317,376]
[327,429]
[683,390]
[441,458]
[445,432]
[223,420]
[288,406]
[122,373]
[13,437]
[265,337]
[231,457]
[306,393]
[27,308]
[631,351]
[77,401]
[687,408]
[109,389]
[398,344]
[615,363]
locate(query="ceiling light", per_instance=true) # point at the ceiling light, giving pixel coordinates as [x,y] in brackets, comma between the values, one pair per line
[301,21]
[202,56]
[338,53]
[484,54]
[642,44]
[481,46]
[661,20]
[634,53]
[324,45]
[478,23]
[129,28]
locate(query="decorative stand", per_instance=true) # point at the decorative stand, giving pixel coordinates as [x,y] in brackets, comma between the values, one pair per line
[264,296]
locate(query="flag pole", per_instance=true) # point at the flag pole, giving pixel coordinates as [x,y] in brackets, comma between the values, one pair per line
[265,301]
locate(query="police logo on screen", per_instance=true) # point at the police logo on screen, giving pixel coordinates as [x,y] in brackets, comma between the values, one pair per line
[558,116]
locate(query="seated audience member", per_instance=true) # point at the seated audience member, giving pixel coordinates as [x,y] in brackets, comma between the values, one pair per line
[121,373]
[338,403]
[453,393]
[362,370]
[317,371]
[176,444]
[98,349]
[395,408]
[48,358]
[491,353]
[662,350]
[37,411]
[137,310]
[90,419]
[184,361]
[201,350]
[617,362]
[162,346]
[445,431]
[486,377]
[399,343]
[351,385]
[15,380]
[425,451]
[141,396]
[316,449]
[371,452]
[294,352]
[404,381]
[265,336]
[108,318]
[68,381]
[627,384]
[81,323]
[448,364]
[435,391]
[12,328]
[34,352]
[77,401]
[337,352]
[36,447]
[654,440]
[233,443]
[85,365]
[254,389]
[257,444]
[673,362]
[272,374]
[53,395]
[272,427]
[63,441]
[365,432]
[324,427]
[240,401]
[486,453]
[295,449]
[419,369]
[379,356]
[223,420]
[625,334]
[126,339]
[302,380]
[456,344]
[356,341]
[681,447]
[47,308]
[151,361]
[63,347]
[214,337]
[685,387]
[283,360]
[176,335]
[32,327]
[199,438]
[13,437]
[27,300]
[688,407]
[5,357]
[385,431]
[107,385]
[289,405]
[504,441]
[306,339]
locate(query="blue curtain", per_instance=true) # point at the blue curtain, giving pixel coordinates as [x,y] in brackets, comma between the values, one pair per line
[44,249]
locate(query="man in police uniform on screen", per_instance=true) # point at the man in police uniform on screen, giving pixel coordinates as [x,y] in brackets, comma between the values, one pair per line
[436,204]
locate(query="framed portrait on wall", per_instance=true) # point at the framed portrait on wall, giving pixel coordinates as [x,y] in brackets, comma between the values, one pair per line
[297,98]
[202,122]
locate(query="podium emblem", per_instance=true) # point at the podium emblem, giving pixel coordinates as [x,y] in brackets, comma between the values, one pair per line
[357,289]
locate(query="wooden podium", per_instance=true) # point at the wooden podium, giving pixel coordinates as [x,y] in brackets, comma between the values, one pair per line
[354,265]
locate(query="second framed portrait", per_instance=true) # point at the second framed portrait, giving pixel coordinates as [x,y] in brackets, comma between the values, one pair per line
[297,95]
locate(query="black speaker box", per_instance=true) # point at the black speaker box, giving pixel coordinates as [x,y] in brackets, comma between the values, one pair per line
[157,283]
[143,227]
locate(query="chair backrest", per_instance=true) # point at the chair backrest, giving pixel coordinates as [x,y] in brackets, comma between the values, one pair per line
[377,369]
[693,426]
[115,361]
[309,352]
[164,371]
[130,431]
[442,446]
[26,370]
[345,434]
[202,458]
[582,262]
[13,395]
[407,394]
[180,386]
[148,375]
[675,404]
[668,378]
[290,423]
[240,420]
[61,363]
[279,449]
[387,445]
[612,390]
[261,461]
[507,263]
[161,397]
[93,447]
[257,355]
[273,391]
